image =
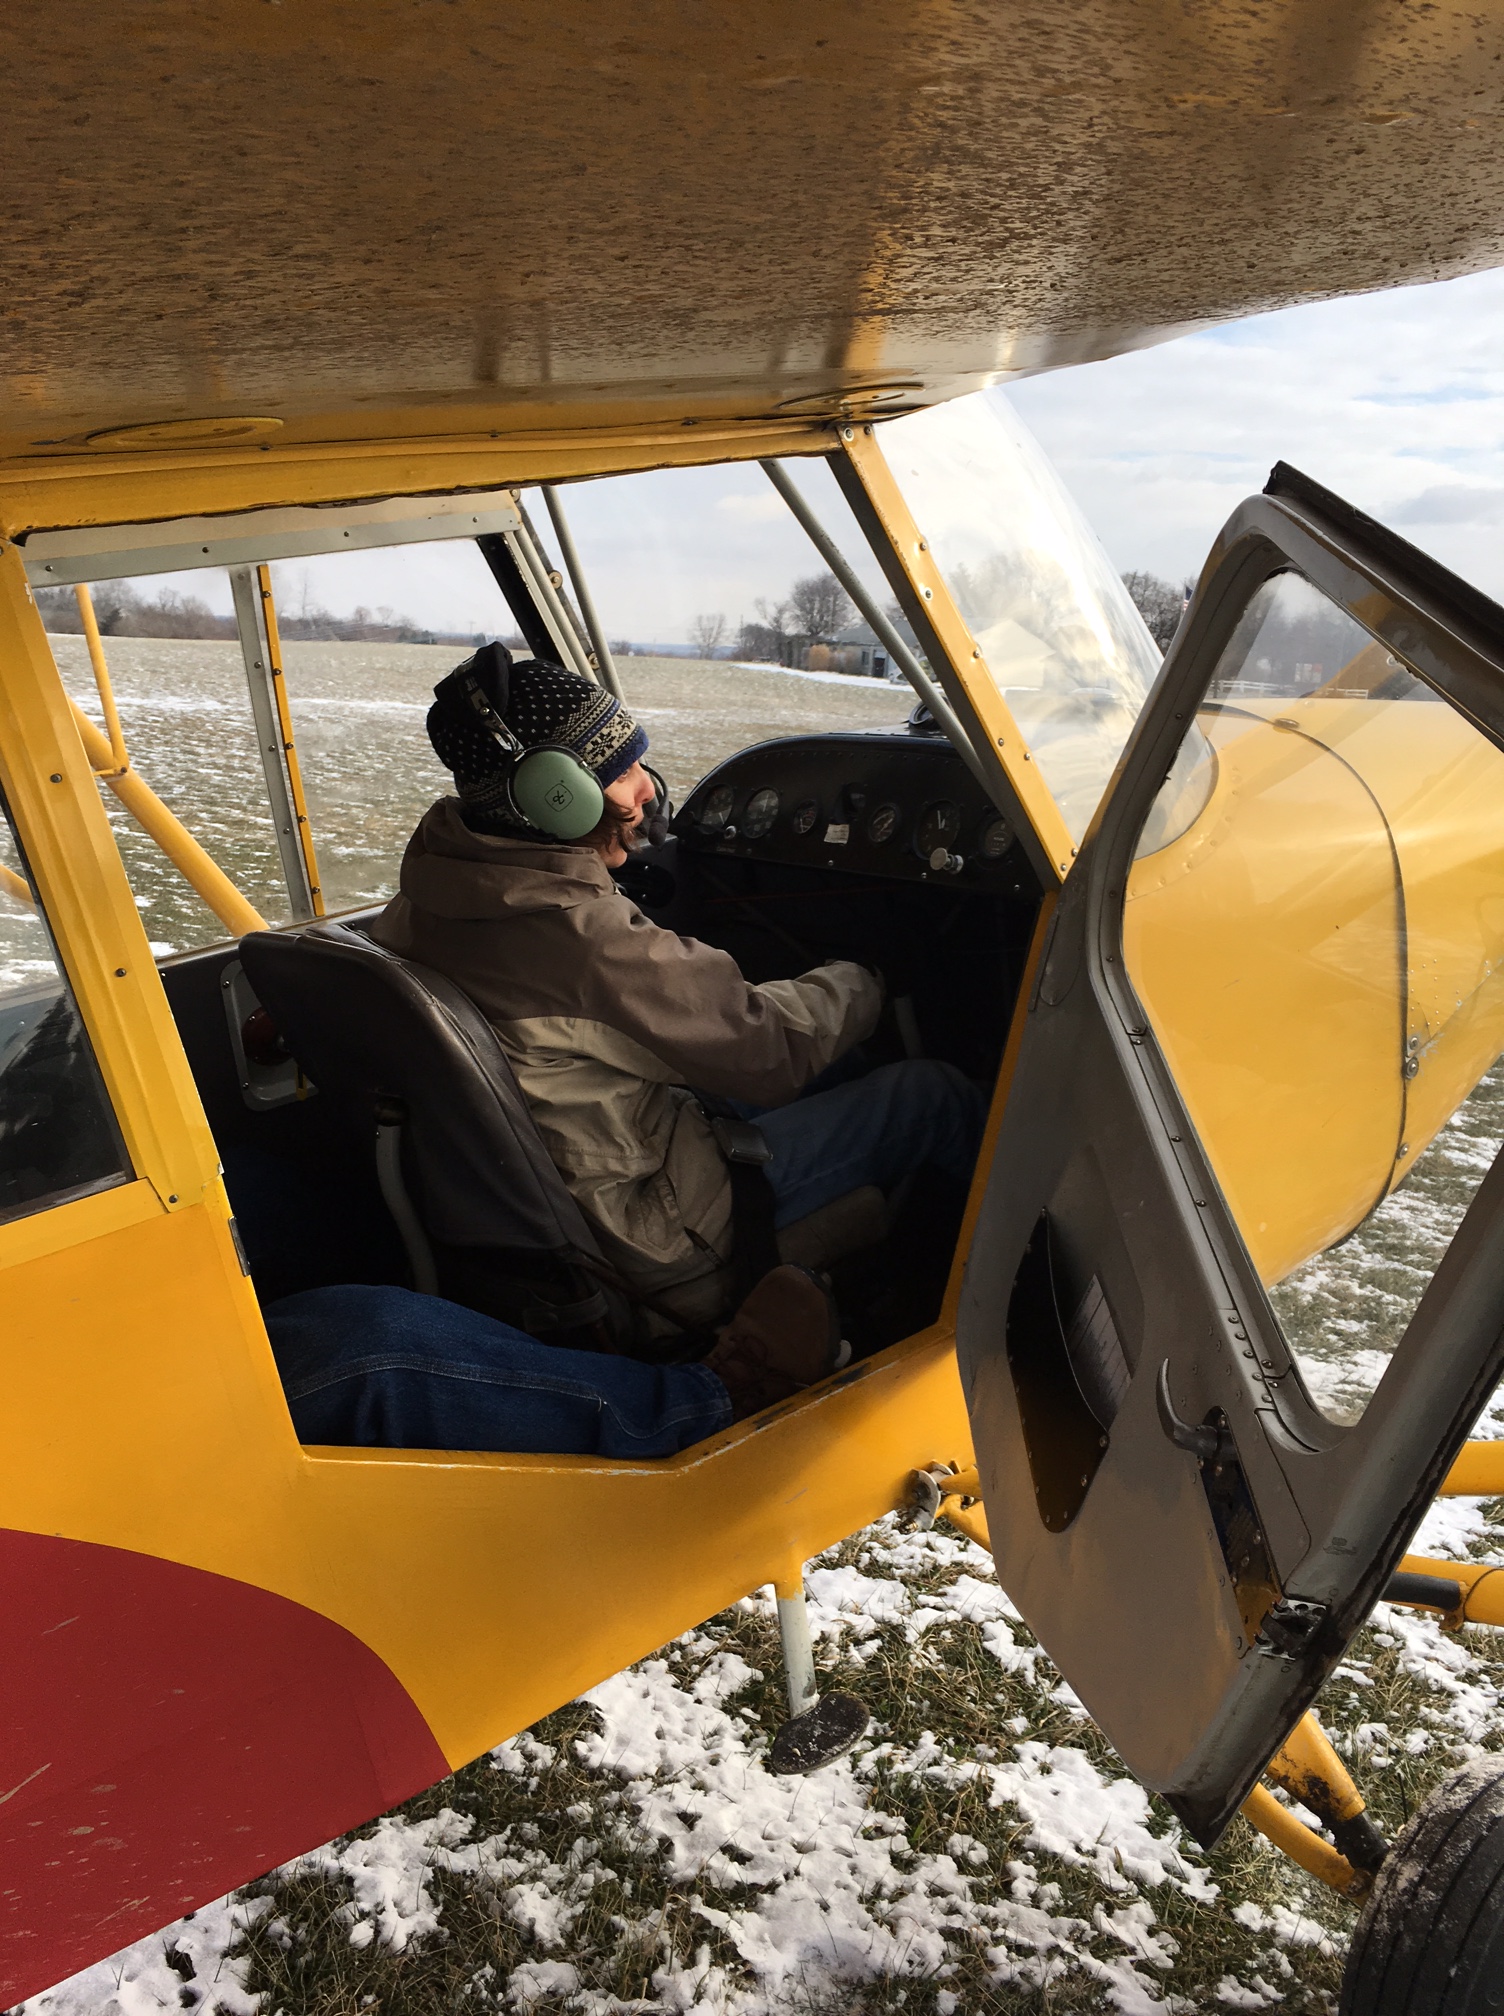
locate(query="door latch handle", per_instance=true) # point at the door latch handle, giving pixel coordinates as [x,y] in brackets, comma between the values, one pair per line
[1206,1443]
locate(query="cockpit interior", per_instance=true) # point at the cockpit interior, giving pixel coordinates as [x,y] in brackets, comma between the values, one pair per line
[369,1125]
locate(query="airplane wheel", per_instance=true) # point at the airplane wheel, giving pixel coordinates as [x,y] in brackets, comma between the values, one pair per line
[1431,1938]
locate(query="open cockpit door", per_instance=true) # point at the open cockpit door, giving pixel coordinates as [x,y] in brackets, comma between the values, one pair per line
[1237,1289]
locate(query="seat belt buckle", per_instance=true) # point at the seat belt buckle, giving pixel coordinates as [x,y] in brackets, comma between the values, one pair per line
[742,1142]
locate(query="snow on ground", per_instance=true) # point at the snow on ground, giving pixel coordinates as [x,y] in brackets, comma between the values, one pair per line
[929,1870]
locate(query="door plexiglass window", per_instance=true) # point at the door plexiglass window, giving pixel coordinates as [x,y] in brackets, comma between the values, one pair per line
[1314,924]
[58,1137]
[1057,630]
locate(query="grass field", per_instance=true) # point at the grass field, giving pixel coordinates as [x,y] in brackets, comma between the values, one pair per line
[982,1850]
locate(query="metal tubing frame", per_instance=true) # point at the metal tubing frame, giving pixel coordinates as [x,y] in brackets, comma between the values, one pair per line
[289,741]
[119,755]
[15,886]
[605,663]
[203,875]
[547,597]
[928,688]
[250,623]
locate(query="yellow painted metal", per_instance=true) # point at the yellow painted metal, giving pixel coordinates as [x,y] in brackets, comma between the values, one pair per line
[969,685]
[1477,1473]
[119,757]
[289,743]
[1310,1770]
[197,868]
[495,1587]
[968,1519]
[49,786]
[1482,1584]
[14,886]
[1293,1838]
[802,201]
[1290,1060]
[125,488]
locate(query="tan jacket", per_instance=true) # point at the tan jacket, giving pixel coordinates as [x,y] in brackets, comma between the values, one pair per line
[607,1019]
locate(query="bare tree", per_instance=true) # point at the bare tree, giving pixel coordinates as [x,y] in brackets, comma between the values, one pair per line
[1160,603]
[819,608]
[708,634]
[773,639]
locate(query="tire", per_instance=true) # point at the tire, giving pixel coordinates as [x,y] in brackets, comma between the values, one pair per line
[1431,1938]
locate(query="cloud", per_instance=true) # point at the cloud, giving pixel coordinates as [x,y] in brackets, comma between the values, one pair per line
[1451,504]
[1395,400]
[752,510]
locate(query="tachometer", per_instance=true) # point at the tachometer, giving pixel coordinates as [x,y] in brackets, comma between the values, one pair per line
[804,817]
[716,810]
[939,827]
[762,810]
[997,838]
[883,824]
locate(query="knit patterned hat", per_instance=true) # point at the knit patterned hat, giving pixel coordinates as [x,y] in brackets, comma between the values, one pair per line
[538,702]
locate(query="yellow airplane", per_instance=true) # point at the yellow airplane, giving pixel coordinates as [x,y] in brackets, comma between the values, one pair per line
[300,280]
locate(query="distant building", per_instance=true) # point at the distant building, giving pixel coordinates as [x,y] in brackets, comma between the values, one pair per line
[860,651]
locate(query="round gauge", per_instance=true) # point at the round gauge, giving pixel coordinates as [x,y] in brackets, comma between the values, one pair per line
[939,827]
[804,817]
[997,838]
[762,810]
[883,824]
[716,810]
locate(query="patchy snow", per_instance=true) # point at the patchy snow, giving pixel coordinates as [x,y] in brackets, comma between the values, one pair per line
[144,1979]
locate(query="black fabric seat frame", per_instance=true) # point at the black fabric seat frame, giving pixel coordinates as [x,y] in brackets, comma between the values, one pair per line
[378,1035]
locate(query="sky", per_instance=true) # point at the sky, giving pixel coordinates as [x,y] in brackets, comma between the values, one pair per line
[1395,400]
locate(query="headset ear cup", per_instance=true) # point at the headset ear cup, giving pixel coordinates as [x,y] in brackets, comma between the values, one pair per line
[554,791]
[492,666]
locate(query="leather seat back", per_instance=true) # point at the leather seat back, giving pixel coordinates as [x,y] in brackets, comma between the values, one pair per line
[368,1027]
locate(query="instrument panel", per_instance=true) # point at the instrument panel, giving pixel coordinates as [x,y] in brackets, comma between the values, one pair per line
[888,804]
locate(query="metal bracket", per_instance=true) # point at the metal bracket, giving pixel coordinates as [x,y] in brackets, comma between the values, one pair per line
[1290,1627]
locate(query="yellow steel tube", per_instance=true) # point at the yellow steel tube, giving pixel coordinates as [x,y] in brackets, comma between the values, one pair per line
[968,1519]
[118,753]
[289,745]
[1477,1473]
[1482,1584]
[1310,1770]
[171,835]
[12,884]
[1293,1838]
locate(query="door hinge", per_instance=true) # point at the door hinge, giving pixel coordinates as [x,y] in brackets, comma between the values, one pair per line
[1290,1628]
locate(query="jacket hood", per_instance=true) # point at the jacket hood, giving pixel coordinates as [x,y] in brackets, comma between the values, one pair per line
[451,872]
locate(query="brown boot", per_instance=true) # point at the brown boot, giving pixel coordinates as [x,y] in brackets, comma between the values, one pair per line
[784,1337]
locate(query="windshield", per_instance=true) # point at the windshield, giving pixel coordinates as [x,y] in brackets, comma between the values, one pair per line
[1057,629]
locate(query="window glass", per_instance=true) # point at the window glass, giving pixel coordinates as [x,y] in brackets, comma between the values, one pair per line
[179,683]
[726,626]
[1057,629]
[58,1137]
[1315,927]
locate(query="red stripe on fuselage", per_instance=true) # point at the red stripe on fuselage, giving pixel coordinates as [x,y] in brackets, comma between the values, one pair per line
[169,1733]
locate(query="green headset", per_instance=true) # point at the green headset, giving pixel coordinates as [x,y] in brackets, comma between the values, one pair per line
[547,785]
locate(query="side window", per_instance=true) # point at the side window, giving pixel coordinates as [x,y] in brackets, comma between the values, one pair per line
[58,1138]
[1315,927]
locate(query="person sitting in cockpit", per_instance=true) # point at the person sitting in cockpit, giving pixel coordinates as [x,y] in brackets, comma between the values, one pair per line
[621,1032]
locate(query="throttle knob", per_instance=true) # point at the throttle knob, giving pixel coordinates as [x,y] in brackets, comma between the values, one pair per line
[943,862]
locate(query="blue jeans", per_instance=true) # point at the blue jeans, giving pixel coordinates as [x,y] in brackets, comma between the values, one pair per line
[877,1129]
[383,1368]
